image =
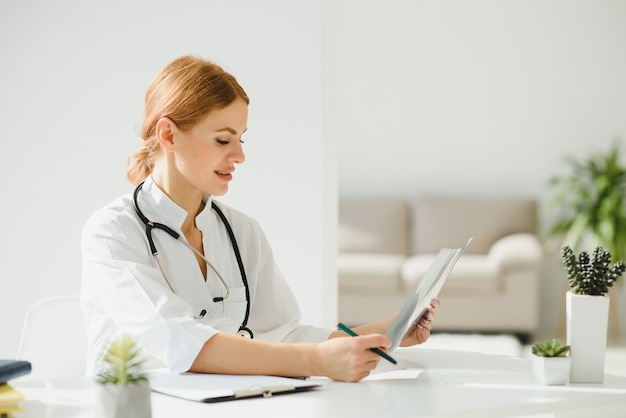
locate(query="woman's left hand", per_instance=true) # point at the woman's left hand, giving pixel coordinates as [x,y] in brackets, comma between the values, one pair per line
[421,331]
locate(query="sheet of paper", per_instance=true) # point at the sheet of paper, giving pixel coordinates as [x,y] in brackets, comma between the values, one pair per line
[394,374]
[426,290]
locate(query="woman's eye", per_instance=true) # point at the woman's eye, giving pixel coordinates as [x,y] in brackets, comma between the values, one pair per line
[226,141]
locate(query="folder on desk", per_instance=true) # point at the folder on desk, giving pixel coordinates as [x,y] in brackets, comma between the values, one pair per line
[209,388]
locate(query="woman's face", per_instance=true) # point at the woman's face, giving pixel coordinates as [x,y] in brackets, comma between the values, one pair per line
[207,153]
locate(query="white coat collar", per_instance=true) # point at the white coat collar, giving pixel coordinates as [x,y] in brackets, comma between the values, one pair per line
[158,207]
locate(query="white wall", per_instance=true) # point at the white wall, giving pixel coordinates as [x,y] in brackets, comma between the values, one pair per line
[475,97]
[72,79]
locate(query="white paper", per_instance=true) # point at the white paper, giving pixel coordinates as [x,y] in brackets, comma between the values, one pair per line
[426,290]
[395,374]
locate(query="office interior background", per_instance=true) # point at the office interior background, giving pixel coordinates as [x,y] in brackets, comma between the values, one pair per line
[348,97]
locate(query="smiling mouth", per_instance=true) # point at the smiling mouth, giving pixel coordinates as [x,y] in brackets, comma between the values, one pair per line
[226,175]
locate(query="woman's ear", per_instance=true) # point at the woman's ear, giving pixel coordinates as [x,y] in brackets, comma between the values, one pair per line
[165,133]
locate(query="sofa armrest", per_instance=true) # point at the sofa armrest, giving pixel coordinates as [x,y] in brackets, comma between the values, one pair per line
[520,250]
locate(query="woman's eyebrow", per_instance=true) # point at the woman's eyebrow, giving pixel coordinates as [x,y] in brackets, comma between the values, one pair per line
[230,130]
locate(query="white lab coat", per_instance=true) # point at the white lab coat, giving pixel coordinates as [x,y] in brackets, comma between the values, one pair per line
[124,291]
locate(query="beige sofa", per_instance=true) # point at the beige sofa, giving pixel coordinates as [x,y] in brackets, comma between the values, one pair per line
[387,244]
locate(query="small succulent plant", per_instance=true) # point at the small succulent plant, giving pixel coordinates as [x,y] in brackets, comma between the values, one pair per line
[591,275]
[550,348]
[123,363]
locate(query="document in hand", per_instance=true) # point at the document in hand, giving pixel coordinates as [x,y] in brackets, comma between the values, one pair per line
[426,290]
[208,388]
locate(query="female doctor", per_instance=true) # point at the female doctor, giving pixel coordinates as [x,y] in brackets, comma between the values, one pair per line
[187,276]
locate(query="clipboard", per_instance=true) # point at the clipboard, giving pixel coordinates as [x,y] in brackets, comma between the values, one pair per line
[426,290]
[210,388]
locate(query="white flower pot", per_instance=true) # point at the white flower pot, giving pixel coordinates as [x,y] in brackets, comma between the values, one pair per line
[122,401]
[551,370]
[587,324]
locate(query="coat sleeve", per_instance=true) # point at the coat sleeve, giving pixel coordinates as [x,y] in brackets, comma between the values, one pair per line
[123,292]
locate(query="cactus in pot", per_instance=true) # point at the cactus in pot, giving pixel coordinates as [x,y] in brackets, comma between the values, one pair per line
[591,274]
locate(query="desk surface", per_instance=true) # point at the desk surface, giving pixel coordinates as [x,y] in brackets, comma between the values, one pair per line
[452,384]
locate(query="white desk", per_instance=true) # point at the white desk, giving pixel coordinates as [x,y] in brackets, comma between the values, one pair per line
[453,384]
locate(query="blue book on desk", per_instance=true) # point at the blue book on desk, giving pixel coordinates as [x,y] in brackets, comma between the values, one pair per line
[10,369]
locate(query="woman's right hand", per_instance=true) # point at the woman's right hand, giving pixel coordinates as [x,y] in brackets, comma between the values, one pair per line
[349,359]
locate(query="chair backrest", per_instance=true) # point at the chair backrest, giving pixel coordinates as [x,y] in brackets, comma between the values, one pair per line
[54,339]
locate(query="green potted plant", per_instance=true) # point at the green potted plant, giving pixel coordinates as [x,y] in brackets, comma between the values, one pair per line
[550,348]
[591,203]
[122,389]
[587,309]
[550,363]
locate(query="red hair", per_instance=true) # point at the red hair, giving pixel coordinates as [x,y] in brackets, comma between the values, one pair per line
[185,91]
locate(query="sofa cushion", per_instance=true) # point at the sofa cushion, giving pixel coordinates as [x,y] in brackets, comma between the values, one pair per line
[375,225]
[517,251]
[471,273]
[447,222]
[369,272]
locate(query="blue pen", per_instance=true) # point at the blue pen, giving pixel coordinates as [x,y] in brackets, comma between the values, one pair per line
[375,349]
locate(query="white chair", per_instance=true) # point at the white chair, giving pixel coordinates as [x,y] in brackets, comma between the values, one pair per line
[54,339]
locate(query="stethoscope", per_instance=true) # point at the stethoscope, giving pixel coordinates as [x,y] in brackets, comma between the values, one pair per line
[244,331]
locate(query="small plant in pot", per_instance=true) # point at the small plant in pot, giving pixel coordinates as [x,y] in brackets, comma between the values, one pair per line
[590,277]
[550,348]
[550,363]
[122,389]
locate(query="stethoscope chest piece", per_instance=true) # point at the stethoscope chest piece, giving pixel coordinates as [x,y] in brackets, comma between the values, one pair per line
[245,332]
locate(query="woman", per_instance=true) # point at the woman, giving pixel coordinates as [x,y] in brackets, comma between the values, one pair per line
[188,301]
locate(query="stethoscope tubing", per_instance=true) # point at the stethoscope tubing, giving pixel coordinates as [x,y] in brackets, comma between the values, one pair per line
[242,270]
[150,226]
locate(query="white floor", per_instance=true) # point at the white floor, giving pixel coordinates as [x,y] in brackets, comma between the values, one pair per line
[615,359]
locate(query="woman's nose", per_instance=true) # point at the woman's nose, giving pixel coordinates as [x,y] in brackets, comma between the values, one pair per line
[238,156]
